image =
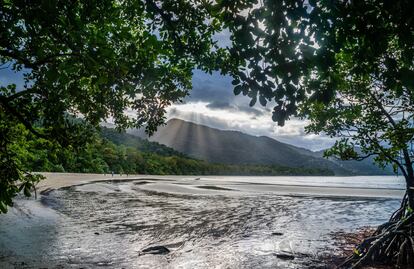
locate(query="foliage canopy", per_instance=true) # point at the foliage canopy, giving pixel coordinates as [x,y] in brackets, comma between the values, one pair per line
[95,59]
[347,66]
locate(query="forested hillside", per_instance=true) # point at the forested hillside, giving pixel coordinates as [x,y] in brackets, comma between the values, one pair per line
[233,147]
[123,153]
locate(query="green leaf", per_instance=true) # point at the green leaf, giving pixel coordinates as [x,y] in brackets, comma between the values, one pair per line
[253,101]
[235,82]
[237,90]
[3,207]
[262,100]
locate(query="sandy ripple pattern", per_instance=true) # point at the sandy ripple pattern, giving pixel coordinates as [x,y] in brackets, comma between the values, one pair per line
[204,222]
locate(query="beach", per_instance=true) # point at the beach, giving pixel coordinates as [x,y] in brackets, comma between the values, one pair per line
[94,221]
[242,183]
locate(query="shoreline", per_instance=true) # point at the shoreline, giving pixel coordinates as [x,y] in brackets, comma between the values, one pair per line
[216,185]
[346,241]
[92,221]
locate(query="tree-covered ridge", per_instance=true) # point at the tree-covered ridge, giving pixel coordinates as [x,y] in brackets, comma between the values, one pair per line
[138,143]
[110,151]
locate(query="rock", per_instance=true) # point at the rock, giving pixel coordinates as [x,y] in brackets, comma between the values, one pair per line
[156,250]
[285,256]
[96,233]
[197,178]
[277,233]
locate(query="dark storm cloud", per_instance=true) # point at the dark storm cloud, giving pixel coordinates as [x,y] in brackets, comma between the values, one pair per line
[223,105]
[217,91]
[251,110]
[220,105]
[210,88]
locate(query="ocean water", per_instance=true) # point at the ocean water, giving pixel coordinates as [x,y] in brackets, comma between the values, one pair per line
[212,222]
[380,182]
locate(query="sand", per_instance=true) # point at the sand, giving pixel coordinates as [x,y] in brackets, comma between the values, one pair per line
[59,180]
[214,185]
[223,221]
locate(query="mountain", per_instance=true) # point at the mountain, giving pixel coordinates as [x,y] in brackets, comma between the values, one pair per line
[138,143]
[364,167]
[119,151]
[233,147]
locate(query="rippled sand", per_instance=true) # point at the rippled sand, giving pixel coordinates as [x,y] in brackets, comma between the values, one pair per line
[310,186]
[206,223]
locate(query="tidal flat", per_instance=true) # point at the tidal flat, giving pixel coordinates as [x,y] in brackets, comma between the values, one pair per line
[204,222]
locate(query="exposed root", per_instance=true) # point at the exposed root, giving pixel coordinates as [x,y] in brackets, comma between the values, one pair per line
[392,243]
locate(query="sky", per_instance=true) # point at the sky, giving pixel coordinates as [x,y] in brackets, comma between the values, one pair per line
[213,103]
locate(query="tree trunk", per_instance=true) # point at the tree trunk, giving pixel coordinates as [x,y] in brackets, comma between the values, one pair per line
[409,178]
[410,191]
[392,243]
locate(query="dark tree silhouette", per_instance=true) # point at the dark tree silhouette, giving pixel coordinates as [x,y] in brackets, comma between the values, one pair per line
[348,67]
[95,60]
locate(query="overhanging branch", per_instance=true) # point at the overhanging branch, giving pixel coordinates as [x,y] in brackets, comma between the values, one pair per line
[5,104]
[34,64]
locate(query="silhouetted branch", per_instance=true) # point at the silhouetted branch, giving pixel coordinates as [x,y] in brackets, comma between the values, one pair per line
[29,64]
[5,104]
[21,93]
[167,20]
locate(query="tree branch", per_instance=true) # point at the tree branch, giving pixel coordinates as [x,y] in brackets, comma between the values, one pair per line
[409,172]
[383,152]
[35,64]
[5,104]
[360,158]
[18,94]
[167,19]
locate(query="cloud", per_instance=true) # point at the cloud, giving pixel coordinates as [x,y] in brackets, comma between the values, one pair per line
[213,103]
[210,88]
[220,105]
[217,91]
[225,118]
[223,105]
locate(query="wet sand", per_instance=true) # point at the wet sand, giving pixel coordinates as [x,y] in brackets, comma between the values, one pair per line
[100,221]
[216,184]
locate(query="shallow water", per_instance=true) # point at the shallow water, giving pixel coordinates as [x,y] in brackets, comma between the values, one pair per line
[378,182]
[212,225]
